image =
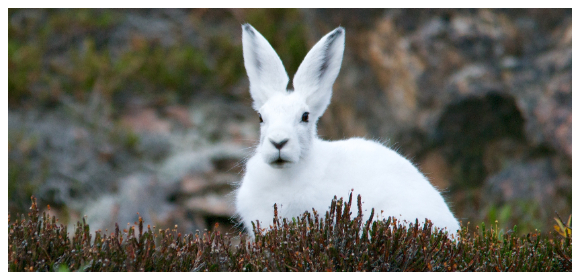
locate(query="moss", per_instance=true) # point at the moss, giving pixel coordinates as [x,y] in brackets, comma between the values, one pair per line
[66,52]
[229,67]
[24,62]
[80,64]
[70,20]
[36,73]
[19,185]
[172,68]
[22,180]
[131,141]
[87,66]
[526,213]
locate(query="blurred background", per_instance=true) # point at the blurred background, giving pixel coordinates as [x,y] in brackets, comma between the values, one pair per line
[114,112]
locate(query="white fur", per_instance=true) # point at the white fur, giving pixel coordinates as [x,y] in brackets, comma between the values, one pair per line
[313,171]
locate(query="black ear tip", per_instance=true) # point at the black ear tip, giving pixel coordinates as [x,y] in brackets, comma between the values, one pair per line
[248,28]
[336,32]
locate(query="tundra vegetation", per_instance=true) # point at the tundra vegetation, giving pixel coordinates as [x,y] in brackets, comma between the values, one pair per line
[333,241]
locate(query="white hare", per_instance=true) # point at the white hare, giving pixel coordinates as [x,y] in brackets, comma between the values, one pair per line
[298,171]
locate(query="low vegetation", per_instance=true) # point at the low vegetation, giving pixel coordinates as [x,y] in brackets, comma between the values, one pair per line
[334,242]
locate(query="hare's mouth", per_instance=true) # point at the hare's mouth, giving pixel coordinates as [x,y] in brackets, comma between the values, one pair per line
[279,163]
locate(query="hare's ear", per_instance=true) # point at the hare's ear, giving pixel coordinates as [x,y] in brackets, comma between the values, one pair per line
[317,73]
[265,70]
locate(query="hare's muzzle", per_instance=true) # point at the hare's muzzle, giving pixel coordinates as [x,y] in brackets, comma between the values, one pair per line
[279,144]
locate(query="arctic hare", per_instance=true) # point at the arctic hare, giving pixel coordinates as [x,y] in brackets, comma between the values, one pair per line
[297,170]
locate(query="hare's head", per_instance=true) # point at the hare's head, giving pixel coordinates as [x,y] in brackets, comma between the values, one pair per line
[288,117]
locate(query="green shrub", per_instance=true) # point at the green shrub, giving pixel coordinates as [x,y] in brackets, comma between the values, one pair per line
[335,242]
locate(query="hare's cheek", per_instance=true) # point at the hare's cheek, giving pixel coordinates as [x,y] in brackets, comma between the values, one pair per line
[305,139]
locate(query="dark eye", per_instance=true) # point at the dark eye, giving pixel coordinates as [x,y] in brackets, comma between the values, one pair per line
[305,117]
[260,116]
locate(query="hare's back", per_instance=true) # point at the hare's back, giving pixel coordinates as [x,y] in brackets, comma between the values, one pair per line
[372,167]
[370,156]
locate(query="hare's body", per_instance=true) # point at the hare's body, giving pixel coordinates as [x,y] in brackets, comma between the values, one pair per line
[299,172]
[392,185]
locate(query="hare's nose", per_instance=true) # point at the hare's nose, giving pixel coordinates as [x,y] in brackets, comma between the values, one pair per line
[280,144]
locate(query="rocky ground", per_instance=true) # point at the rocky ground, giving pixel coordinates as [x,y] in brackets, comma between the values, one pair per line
[119,112]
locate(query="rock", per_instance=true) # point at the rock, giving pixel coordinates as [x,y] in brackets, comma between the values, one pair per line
[180,114]
[554,114]
[436,169]
[175,167]
[146,120]
[522,181]
[102,213]
[536,181]
[155,146]
[191,184]
[397,68]
[138,196]
[212,181]
[213,204]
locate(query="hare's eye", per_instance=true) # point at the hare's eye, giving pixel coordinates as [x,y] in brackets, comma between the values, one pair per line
[260,116]
[305,117]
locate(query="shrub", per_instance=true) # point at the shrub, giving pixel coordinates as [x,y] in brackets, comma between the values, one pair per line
[335,242]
